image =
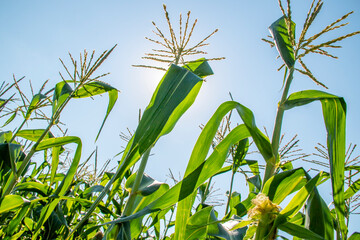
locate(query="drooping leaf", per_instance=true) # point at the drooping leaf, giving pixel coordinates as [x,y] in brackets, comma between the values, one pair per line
[280,34]
[95,88]
[334,113]
[174,95]
[93,189]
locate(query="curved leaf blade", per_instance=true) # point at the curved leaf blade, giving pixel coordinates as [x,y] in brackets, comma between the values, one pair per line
[334,113]
[95,88]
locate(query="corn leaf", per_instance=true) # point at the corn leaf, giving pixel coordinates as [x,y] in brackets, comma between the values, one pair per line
[12,202]
[34,104]
[67,180]
[299,231]
[202,170]
[202,148]
[15,223]
[199,67]
[318,217]
[279,186]
[37,187]
[197,225]
[175,93]
[33,134]
[95,88]
[297,202]
[334,113]
[355,236]
[5,136]
[147,186]
[61,93]
[280,34]
[353,188]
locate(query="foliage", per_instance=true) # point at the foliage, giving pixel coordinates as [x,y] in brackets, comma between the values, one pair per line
[54,196]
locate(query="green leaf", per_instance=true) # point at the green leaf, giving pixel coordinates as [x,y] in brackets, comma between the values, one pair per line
[355,236]
[300,198]
[93,189]
[33,134]
[353,188]
[204,222]
[67,180]
[200,170]
[173,96]
[95,88]
[37,187]
[58,142]
[197,225]
[199,67]
[15,222]
[11,203]
[10,119]
[240,153]
[34,104]
[5,136]
[334,113]
[61,93]
[299,231]
[202,148]
[279,32]
[279,186]
[147,186]
[297,202]
[318,217]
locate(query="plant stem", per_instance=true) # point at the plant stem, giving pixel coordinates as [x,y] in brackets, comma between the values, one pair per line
[134,191]
[203,199]
[230,192]
[271,164]
[167,225]
[19,128]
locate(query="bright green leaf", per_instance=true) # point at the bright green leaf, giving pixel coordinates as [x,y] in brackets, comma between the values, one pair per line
[334,113]
[12,202]
[279,31]
[95,88]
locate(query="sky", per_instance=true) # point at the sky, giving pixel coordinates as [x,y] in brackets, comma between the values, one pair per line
[35,34]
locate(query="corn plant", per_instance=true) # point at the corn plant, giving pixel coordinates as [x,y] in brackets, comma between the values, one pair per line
[46,201]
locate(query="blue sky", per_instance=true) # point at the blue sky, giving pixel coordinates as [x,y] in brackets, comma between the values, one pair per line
[35,34]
